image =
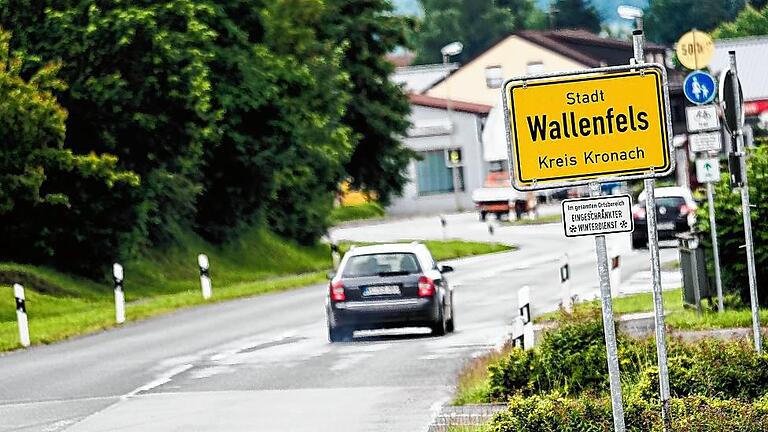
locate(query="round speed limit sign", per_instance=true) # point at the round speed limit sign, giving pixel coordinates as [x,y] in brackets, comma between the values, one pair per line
[695,50]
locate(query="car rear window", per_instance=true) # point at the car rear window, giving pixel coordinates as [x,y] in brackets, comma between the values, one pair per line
[381,264]
[670,201]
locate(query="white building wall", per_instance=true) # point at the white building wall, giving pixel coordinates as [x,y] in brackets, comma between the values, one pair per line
[466,136]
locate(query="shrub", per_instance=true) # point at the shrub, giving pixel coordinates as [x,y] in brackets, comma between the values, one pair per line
[710,368]
[730,228]
[587,414]
[571,359]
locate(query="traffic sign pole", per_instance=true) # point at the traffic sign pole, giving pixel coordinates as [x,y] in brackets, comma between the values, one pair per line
[609,328]
[715,248]
[745,209]
[653,246]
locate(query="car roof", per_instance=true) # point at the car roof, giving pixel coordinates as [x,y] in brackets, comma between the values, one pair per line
[387,248]
[669,191]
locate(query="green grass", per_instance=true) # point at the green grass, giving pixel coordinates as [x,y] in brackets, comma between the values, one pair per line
[553,218]
[61,306]
[448,249]
[367,210]
[676,315]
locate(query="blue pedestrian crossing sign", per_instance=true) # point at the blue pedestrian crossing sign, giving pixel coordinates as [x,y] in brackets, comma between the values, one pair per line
[699,87]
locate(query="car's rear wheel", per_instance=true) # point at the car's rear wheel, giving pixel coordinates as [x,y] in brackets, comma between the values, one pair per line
[339,334]
[639,243]
[439,326]
[449,325]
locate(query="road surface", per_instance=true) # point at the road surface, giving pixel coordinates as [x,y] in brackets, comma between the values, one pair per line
[264,363]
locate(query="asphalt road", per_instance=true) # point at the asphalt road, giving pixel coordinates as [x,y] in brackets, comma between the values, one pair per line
[264,363]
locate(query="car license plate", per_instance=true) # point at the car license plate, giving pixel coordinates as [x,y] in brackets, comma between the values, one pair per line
[381,290]
[667,226]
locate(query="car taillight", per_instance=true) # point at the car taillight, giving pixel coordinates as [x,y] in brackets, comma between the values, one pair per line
[426,287]
[684,210]
[337,291]
[638,213]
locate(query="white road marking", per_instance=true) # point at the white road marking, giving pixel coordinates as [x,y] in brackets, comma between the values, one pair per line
[162,379]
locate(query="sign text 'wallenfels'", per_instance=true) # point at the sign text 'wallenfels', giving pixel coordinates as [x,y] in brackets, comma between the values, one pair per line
[576,128]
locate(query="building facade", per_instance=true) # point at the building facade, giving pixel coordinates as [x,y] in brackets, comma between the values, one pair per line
[435,132]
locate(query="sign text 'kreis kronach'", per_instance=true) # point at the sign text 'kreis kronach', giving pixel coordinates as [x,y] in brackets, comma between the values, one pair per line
[586,127]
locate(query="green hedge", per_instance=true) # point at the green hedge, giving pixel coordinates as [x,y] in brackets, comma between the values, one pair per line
[555,413]
[571,360]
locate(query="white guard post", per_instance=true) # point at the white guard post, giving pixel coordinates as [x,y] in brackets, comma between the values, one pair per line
[21,314]
[524,303]
[118,275]
[205,276]
[566,290]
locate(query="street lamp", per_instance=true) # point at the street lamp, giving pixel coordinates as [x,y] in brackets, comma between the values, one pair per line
[448,51]
[631,13]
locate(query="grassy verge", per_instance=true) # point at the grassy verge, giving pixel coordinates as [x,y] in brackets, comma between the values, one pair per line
[553,218]
[448,249]
[61,306]
[677,316]
[366,210]
[473,383]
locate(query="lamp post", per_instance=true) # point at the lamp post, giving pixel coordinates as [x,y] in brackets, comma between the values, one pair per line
[448,51]
[631,13]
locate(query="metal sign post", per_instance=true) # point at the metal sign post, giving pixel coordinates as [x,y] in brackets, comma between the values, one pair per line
[715,248]
[609,328]
[745,209]
[653,246]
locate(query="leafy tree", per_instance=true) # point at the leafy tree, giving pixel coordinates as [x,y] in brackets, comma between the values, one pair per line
[525,14]
[667,20]
[476,24]
[749,22]
[576,14]
[139,88]
[41,180]
[377,113]
[282,143]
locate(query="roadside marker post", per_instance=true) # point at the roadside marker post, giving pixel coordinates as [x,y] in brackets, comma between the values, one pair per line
[565,284]
[335,255]
[21,314]
[444,225]
[205,275]
[118,276]
[615,270]
[518,329]
[735,110]
[524,304]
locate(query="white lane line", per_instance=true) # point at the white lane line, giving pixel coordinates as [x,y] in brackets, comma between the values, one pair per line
[162,379]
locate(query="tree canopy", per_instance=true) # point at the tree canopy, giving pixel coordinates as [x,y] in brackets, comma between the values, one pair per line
[749,22]
[667,20]
[476,24]
[203,114]
[576,14]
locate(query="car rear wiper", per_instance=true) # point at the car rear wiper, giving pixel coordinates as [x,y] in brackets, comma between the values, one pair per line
[394,273]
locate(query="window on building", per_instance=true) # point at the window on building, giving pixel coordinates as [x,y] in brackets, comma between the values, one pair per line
[535,68]
[433,176]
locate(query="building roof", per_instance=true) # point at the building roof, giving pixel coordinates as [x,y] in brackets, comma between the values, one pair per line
[587,48]
[416,79]
[751,60]
[435,102]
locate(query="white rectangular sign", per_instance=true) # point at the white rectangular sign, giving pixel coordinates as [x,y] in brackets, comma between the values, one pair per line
[702,118]
[708,170]
[595,216]
[706,141]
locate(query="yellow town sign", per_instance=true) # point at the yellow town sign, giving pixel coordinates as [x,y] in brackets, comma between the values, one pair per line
[609,123]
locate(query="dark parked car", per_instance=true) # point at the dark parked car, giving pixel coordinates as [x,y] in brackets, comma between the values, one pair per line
[675,213]
[389,286]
